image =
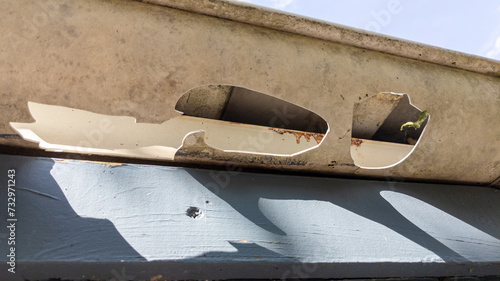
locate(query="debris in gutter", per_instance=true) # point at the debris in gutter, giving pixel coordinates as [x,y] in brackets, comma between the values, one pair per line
[421,118]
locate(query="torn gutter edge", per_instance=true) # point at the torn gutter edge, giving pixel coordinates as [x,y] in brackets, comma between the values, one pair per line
[277,20]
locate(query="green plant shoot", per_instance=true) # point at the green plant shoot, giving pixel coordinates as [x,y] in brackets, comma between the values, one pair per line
[421,118]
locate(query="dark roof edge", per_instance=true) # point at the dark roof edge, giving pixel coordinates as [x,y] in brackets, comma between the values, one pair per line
[277,20]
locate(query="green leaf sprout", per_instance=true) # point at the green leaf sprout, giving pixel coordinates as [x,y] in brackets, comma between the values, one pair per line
[421,118]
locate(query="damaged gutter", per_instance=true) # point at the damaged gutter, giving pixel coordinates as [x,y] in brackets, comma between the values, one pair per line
[209,91]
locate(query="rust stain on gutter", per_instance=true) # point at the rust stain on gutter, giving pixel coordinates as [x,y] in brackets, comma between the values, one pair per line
[356,142]
[318,137]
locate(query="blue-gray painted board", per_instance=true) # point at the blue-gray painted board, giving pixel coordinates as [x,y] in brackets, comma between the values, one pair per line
[181,223]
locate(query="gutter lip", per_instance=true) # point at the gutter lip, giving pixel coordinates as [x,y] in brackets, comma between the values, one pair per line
[327,31]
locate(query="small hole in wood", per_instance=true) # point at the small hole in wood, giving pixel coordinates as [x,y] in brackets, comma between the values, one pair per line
[194,212]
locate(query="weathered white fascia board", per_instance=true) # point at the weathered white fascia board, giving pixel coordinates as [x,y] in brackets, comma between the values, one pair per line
[126,58]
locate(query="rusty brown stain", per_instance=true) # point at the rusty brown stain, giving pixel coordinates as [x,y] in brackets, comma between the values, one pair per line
[356,142]
[318,137]
[299,135]
[279,131]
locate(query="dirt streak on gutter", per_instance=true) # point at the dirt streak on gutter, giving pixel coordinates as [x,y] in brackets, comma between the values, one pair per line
[263,17]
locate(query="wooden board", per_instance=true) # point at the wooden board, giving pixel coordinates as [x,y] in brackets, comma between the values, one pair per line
[126,58]
[89,220]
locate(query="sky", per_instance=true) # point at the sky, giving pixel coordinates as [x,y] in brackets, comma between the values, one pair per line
[471,27]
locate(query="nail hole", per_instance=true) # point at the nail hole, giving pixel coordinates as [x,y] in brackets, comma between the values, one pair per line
[194,212]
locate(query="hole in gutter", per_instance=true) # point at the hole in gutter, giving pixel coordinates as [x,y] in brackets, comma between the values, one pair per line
[280,127]
[241,105]
[377,140]
[231,119]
